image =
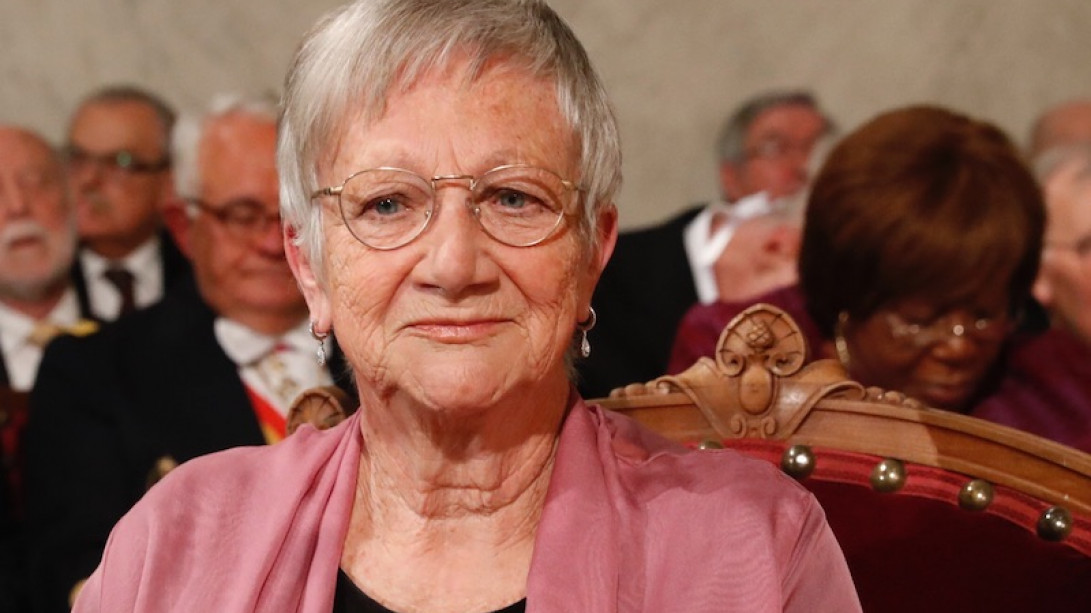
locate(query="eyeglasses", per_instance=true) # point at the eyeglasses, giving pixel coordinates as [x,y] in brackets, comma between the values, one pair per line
[776,148]
[1081,246]
[114,163]
[947,326]
[244,218]
[386,208]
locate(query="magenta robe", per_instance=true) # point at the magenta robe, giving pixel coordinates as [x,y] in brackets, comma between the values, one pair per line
[631,522]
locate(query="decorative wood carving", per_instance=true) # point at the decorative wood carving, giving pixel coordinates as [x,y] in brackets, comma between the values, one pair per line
[760,386]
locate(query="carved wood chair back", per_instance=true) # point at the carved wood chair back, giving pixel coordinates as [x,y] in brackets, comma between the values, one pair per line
[935,510]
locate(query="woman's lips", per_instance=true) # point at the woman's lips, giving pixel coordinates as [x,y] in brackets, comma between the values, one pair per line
[456,331]
[947,395]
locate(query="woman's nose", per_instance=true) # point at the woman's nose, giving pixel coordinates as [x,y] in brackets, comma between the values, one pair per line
[454,241]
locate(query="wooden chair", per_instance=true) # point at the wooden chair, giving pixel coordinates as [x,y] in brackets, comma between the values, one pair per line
[936,511]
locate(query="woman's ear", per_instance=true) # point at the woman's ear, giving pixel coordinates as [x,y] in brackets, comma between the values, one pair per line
[604,241]
[309,280]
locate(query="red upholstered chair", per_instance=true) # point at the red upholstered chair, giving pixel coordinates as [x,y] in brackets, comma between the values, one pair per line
[935,511]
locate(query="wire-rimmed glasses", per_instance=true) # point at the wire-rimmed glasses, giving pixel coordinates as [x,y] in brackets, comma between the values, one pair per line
[1081,246]
[244,217]
[517,205]
[951,325]
[120,163]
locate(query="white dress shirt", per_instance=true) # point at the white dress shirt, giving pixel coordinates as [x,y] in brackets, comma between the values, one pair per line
[147,269]
[21,356]
[275,368]
[703,246]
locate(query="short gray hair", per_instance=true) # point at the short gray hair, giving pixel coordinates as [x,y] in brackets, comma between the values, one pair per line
[352,59]
[190,128]
[731,141]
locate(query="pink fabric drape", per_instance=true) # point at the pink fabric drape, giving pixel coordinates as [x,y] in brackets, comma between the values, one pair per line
[631,523]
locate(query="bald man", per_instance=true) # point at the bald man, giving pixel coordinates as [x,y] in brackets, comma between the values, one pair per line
[1067,123]
[1048,389]
[37,300]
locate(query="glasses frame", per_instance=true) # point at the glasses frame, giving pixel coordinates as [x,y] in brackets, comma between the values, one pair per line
[1081,246]
[336,190]
[223,217]
[121,161]
[945,327]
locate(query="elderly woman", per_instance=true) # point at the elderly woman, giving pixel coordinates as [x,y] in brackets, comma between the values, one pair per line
[448,171]
[920,244]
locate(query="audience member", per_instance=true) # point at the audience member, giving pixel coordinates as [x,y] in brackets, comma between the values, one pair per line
[214,365]
[37,301]
[920,243]
[444,218]
[1067,123]
[732,249]
[37,247]
[1048,389]
[119,172]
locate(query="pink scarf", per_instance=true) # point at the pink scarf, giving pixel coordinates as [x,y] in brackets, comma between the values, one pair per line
[631,523]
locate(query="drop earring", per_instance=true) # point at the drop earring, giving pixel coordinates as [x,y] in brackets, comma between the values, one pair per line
[839,343]
[320,353]
[584,327]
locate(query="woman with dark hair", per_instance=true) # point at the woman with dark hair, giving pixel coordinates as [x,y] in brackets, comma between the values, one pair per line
[920,244]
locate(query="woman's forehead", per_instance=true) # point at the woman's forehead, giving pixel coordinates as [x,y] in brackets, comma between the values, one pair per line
[502,115]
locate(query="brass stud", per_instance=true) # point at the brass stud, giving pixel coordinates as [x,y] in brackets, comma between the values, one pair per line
[710,444]
[798,461]
[162,466]
[888,476]
[1055,524]
[976,495]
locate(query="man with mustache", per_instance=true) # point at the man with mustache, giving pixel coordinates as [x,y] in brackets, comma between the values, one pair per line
[37,245]
[215,364]
[119,170]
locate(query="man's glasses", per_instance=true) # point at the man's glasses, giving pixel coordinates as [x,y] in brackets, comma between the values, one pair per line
[517,205]
[945,327]
[244,218]
[114,163]
[1081,246]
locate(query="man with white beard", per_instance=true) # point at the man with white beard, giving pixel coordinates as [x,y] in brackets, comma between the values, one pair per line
[37,301]
[37,245]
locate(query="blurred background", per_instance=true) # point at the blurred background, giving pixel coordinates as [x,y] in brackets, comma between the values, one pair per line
[674,69]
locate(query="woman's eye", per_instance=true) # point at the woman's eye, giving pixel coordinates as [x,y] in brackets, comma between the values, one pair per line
[385,206]
[512,199]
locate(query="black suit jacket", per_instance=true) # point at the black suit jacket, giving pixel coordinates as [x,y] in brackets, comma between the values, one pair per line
[644,291]
[176,269]
[12,417]
[105,408]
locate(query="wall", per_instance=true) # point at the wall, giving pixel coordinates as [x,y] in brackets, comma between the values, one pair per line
[674,69]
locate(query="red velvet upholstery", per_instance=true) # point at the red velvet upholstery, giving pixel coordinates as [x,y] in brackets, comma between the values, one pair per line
[916,550]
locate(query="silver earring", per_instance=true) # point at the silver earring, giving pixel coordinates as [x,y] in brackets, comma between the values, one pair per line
[839,343]
[584,327]
[320,353]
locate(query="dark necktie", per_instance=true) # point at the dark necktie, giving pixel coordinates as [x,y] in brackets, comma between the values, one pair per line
[122,279]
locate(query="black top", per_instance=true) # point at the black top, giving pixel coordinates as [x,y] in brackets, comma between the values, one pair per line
[350,599]
[644,291]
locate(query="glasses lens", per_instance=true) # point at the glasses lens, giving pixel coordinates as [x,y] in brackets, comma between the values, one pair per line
[916,335]
[386,208]
[246,218]
[520,205]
